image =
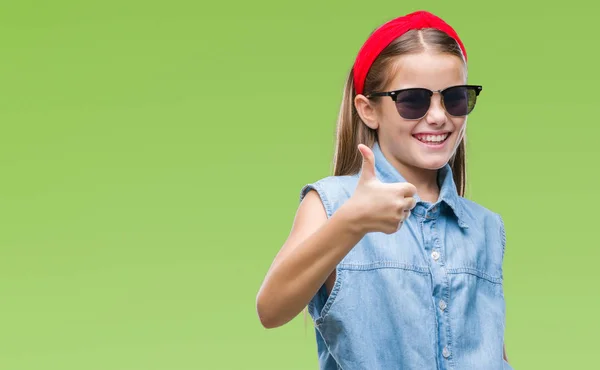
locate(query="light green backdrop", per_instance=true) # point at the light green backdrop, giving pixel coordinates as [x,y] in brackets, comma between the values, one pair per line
[152,154]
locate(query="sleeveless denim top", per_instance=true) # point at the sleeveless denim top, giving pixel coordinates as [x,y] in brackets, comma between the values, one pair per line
[429,296]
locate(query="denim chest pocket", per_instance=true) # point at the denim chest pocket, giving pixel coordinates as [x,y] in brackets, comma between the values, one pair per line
[476,252]
[401,250]
[361,284]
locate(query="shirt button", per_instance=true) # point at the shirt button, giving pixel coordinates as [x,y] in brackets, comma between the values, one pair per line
[435,255]
[446,352]
[442,305]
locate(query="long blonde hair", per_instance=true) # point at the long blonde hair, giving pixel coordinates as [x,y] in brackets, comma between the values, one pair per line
[351,131]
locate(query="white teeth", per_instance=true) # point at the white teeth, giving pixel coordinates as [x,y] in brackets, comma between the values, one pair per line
[432,138]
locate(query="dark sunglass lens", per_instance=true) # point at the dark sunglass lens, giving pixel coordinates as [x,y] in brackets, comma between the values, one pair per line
[413,104]
[459,101]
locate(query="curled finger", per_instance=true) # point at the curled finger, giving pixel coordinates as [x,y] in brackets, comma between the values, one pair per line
[410,202]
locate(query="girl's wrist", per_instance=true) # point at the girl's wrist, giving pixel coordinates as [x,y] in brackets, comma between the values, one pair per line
[352,220]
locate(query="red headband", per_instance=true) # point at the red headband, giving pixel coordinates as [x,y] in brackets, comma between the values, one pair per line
[388,32]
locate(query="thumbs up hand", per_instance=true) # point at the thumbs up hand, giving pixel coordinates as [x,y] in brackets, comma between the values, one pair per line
[381,207]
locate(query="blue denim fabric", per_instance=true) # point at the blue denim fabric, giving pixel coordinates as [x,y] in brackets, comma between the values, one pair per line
[429,296]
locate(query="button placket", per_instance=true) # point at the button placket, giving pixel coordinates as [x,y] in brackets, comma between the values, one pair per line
[440,280]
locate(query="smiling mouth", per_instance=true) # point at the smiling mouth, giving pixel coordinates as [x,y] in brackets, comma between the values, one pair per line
[432,139]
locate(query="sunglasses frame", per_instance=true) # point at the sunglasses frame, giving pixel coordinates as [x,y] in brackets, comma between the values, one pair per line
[394,95]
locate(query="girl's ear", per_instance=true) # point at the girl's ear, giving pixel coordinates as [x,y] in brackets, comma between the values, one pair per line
[366,111]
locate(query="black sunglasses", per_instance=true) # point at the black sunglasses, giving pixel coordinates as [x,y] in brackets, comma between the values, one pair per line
[414,103]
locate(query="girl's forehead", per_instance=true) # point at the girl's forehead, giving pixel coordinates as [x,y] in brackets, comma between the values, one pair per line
[430,70]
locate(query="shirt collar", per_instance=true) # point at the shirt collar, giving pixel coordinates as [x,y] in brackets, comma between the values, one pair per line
[448,193]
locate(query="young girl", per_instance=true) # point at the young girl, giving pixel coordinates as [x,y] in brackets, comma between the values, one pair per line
[398,270]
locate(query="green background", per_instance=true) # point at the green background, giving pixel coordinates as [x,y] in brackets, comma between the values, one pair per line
[152,155]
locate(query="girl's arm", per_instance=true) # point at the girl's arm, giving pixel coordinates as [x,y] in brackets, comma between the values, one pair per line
[309,256]
[317,244]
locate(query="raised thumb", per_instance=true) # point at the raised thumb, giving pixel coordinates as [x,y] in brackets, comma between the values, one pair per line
[368,165]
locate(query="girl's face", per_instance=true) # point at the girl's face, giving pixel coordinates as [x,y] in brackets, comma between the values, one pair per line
[429,142]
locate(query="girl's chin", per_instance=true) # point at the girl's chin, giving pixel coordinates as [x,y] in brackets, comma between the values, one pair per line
[433,162]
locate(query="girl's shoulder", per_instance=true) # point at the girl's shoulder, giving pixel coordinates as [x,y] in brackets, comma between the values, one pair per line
[483,217]
[474,209]
[333,190]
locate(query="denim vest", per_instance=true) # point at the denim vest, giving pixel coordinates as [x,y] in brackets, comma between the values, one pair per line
[429,296]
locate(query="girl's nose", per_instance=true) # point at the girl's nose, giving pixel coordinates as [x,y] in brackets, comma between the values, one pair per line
[436,115]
